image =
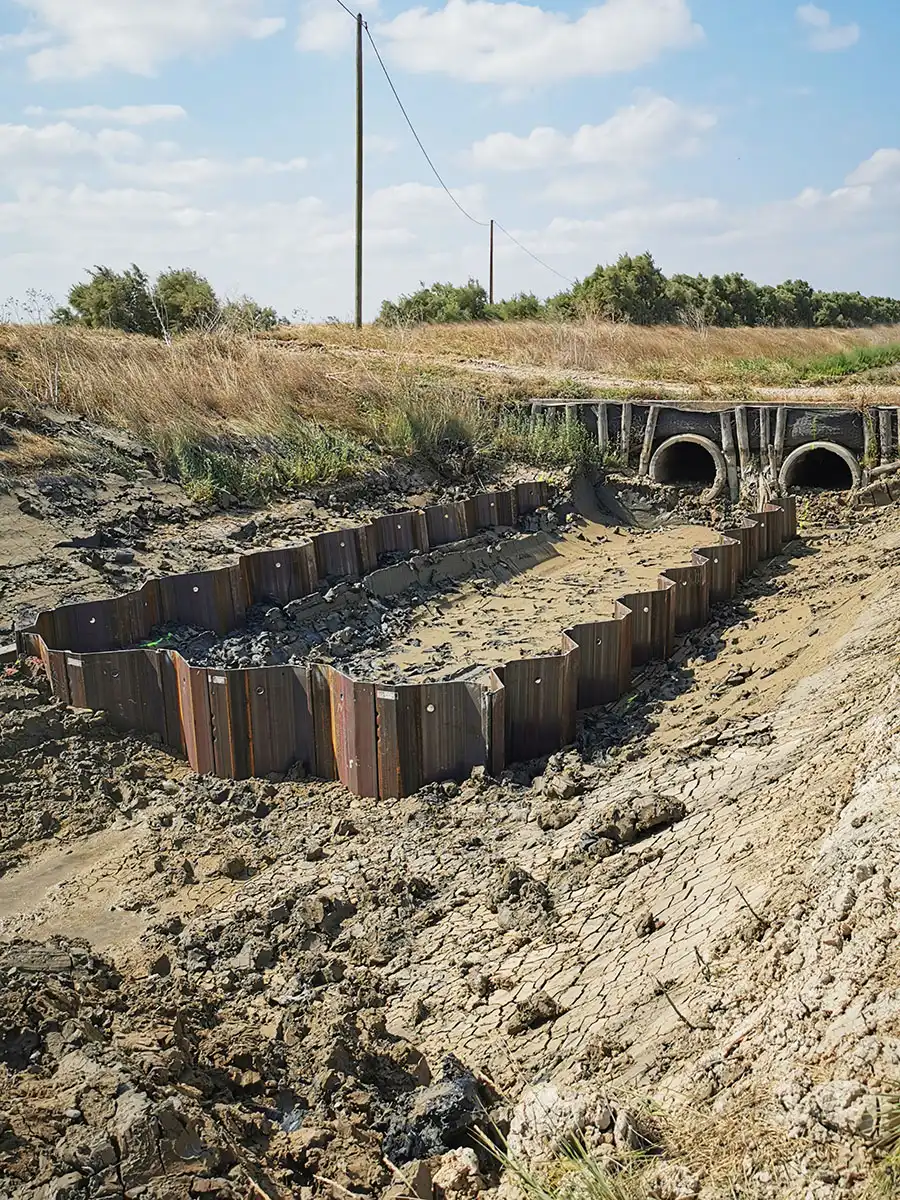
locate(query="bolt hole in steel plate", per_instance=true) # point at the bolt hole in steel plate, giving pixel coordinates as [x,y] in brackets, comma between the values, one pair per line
[646,610]
[260,691]
[278,566]
[538,680]
[196,589]
[429,708]
[93,621]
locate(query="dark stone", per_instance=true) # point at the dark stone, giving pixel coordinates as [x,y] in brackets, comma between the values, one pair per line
[436,1118]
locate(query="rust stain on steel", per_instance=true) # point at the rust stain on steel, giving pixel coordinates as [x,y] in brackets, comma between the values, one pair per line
[429,733]
[401,532]
[196,720]
[541,702]
[354,733]
[280,575]
[230,723]
[652,624]
[689,594]
[604,658]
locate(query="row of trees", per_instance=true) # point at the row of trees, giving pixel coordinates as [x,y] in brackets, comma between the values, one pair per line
[178,301]
[634,289]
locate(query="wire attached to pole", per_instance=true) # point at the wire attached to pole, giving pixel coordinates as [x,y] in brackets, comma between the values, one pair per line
[434,170]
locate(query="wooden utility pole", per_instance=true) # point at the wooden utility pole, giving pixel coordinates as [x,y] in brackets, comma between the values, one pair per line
[491,269]
[359,168]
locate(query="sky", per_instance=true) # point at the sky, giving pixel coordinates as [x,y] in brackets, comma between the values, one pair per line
[721,135]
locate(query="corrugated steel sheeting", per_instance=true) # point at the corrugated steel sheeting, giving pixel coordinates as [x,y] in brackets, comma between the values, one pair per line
[377,740]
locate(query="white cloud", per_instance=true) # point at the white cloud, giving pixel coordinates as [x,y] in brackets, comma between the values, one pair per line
[191,172]
[883,166]
[127,114]
[326,28]
[634,136]
[410,202]
[482,41]
[87,36]
[375,143]
[822,35]
[32,146]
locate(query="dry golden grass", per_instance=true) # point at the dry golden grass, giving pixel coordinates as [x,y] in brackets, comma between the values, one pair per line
[312,403]
[248,416]
[618,351]
[28,451]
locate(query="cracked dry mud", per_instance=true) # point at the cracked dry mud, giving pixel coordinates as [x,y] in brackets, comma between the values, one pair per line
[686,924]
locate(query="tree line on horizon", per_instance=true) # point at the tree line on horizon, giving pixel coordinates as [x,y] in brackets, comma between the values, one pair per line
[178,301]
[635,290]
[632,290]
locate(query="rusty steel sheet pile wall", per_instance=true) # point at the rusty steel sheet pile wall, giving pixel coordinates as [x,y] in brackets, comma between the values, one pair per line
[378,740]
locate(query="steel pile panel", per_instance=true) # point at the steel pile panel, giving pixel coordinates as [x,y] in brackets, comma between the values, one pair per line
[402,532]
[723,564]
[531,496]
[448,523]
[280,711]
[690,594]
[749,534]
[428,733]
[494,508]
[604,658]
[541,702]
[230,723]
[342,553]
[354,733]
[264,720]
[769,524]
[129,686]
[280,575]
[790,517]
[215,600]
[196,719]
[652,624]
[776,516]
[494,700]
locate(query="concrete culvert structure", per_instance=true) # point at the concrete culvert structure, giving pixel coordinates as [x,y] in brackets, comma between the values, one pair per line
[824,465]
[690,458]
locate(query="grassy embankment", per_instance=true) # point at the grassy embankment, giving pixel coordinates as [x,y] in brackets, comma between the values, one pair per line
[754,357]
[309,405]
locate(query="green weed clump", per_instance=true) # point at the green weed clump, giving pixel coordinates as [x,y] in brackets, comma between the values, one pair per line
[258,468]
[827,368]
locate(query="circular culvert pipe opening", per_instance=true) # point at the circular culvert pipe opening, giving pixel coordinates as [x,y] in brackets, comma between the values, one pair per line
[690,460]
[821,466]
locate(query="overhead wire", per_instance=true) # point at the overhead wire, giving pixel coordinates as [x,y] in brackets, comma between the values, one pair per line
[434,170]
[436,173]
[531,254]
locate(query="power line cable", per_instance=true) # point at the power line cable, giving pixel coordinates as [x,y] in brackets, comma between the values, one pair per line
[437,175]
[435,172]
[531,254]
